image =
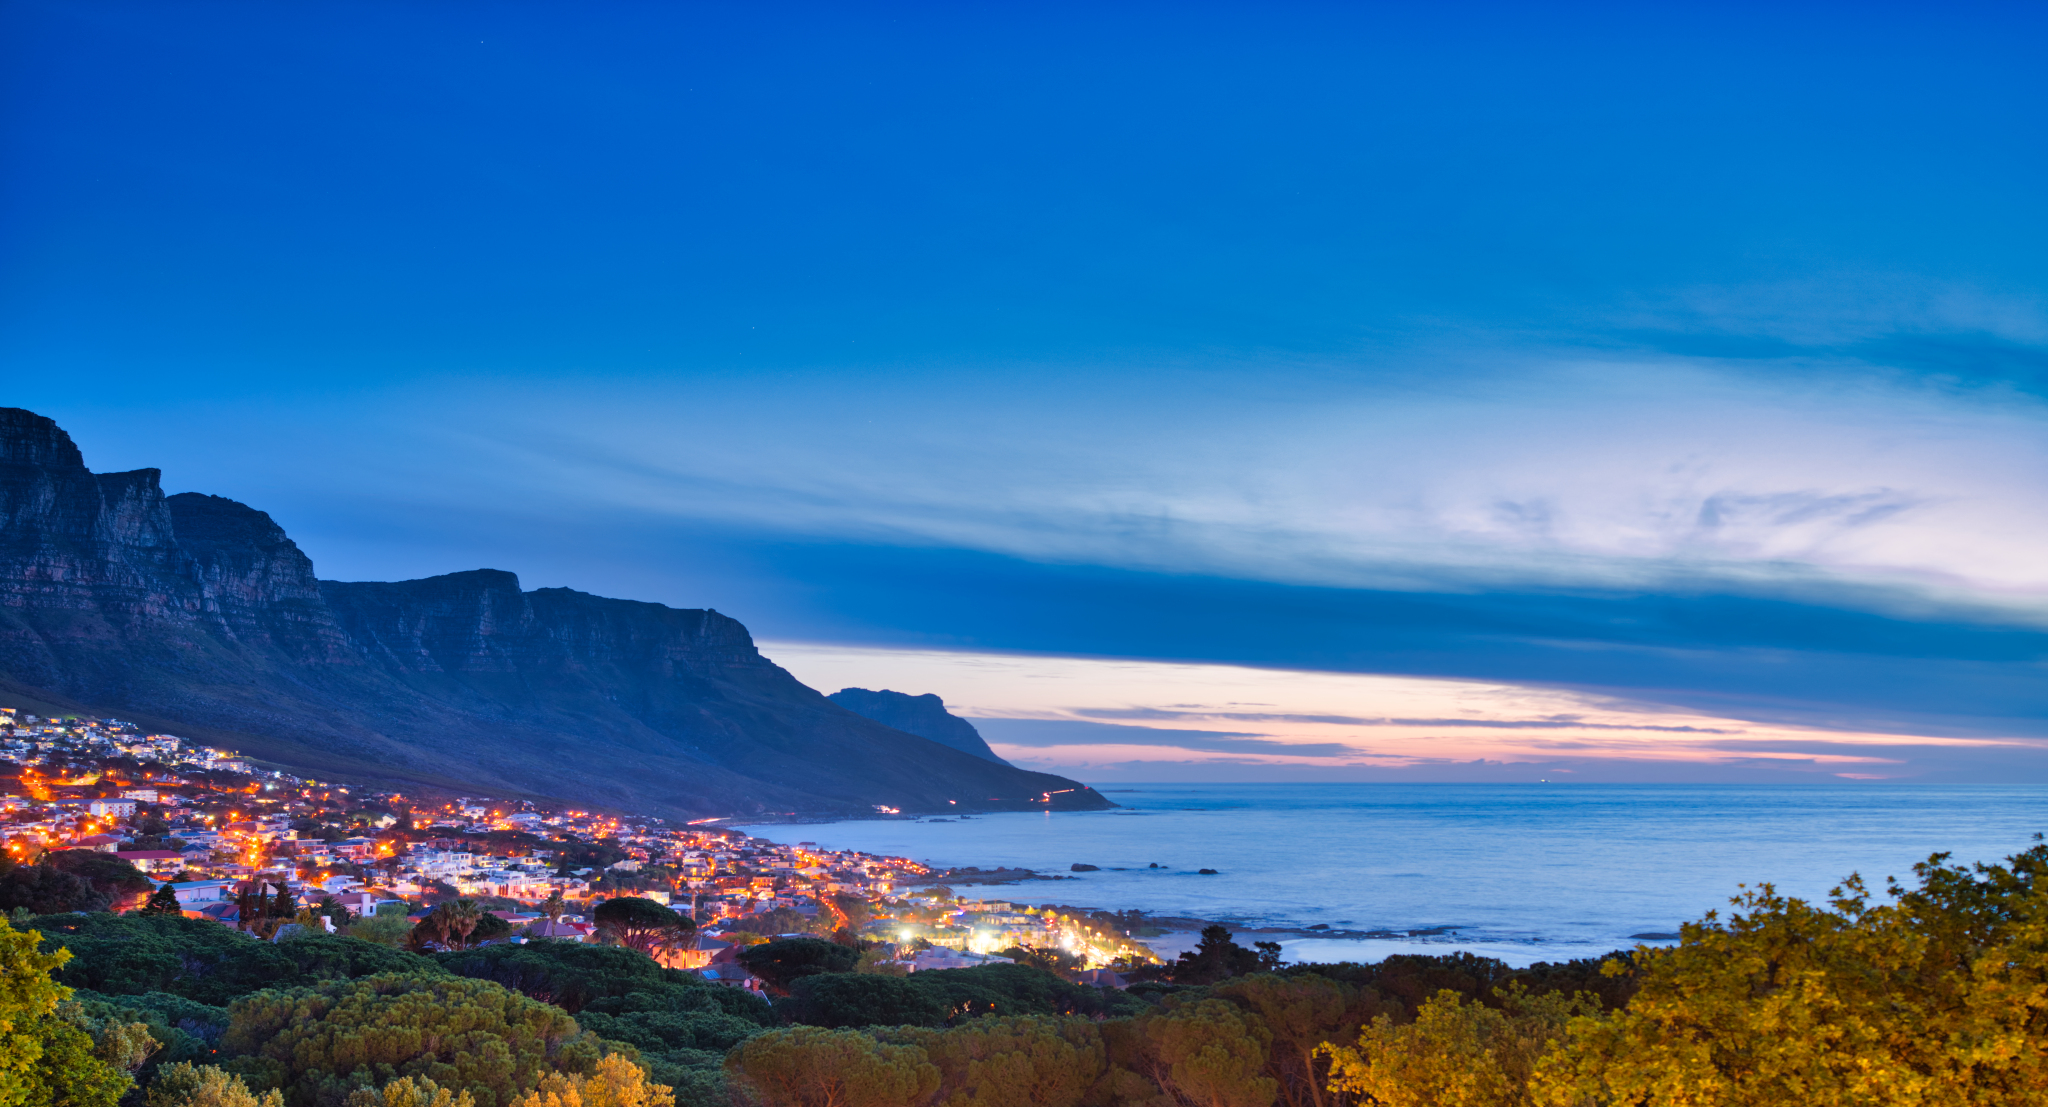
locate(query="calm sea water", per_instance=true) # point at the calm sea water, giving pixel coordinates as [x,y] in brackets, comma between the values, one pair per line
[1526,872]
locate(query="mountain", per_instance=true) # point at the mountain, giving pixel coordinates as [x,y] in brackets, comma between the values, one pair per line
[198,615]
[925,716]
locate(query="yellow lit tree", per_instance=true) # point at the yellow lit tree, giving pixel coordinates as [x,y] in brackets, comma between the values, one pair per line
[1936,998]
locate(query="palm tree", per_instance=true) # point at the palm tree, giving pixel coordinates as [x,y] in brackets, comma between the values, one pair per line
[462,915]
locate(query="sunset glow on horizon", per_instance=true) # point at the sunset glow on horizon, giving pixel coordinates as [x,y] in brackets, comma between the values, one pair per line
[1123,719]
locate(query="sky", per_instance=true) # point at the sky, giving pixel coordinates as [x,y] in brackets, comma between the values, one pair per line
[1191,391]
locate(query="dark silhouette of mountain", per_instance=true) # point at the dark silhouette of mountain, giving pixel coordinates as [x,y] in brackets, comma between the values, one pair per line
[925,716]
[197,615]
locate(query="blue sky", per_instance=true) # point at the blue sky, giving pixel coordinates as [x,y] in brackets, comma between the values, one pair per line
[1691,359]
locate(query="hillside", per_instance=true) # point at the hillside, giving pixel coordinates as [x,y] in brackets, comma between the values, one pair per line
[198,615]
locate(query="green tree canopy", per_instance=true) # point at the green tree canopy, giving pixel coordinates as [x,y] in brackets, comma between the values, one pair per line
[45,889]
[641,924]
[1216,957]
[118,880]
[865,999]
[1028,1061]
[1303,1013]
[1205,1053]
[575,975]
[809,1066]
[163,901]
[187,1085]
[320,1043]
[203,960]
[783,961]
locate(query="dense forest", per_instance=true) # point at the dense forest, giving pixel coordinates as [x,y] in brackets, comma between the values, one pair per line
[1934,993]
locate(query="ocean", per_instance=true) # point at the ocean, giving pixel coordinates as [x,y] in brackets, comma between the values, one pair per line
[1525,872]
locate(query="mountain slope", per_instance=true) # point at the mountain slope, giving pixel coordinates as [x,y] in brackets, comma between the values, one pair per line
[198,614]
[925,716]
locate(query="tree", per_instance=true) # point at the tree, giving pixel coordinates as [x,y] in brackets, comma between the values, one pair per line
[465,1035]
[163,901]
[430,933]
[807,1066]
[1456,1054]
[489,928]
[122,883]
[331,908]
[44,889]
[615,1082]
[45,1059]
[555,906]
[1303,1013]
[641,924]
[28,997]
[410,1091]
[1209,1054]
[1056,961]
[198,959]
[1215,957]
[1028,1061]
[186,1085]
[578,975]
[450,925]
[462,916]
[1937,997]
[865,999]
[783,961]
[385,930]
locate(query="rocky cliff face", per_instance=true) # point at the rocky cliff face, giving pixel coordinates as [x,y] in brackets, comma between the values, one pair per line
[198,614]
[925,716]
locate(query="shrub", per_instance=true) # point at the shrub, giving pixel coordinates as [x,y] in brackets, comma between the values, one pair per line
[615,1082]
[184,1085]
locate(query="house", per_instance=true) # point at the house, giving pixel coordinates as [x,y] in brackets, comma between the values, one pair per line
[567,932]
[194,894]
[939,957]
[105,843]
[140,795]
[227,913]
[695,954]
[153,860]
[119,808]
[732,974]
[364,904]
[1102,978]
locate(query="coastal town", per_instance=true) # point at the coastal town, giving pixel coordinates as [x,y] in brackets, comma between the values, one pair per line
[213,826]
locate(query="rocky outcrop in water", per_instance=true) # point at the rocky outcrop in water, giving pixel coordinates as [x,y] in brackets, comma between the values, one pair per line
[199,615]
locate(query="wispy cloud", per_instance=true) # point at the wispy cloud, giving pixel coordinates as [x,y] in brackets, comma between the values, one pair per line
[1651,475]
[1555,722]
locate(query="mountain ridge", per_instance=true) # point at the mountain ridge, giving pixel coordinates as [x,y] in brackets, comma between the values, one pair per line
[925,716]
[199,613]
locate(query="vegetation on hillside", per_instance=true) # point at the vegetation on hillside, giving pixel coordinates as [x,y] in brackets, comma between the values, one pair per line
[1930,995]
